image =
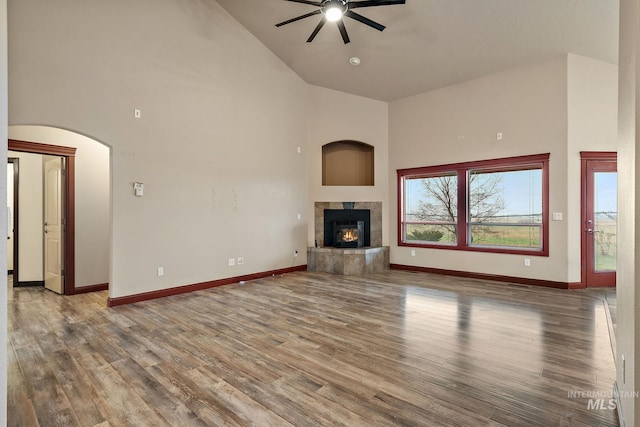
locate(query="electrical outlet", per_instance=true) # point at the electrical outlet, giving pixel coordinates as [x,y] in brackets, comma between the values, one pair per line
[499,136]
[232,261]
[240,261]
[413,252]
[527,262]
[295,253]
[160,271]
[137,113]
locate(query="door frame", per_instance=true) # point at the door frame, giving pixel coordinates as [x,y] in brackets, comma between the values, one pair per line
[16,209]
[586,156]
[68,153]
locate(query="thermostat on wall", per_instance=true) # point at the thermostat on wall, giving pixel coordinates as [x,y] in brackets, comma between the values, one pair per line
[138,188]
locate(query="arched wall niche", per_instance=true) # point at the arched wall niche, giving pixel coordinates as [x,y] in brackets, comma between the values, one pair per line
[347,163]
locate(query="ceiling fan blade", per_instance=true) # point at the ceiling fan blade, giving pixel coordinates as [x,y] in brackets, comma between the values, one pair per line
[371,3]
[315,12]
[366,21]
[312,3]
[343,31]
[317,30]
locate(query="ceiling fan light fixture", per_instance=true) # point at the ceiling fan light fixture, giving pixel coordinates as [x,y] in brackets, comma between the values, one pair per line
[335,10]
[333,13]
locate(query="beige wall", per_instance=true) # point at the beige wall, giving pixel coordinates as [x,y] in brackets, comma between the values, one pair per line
[336,116]
[3,255]
[562,107]
[459,123]
[592,125]
[628,281]
[216,146]
[92,200]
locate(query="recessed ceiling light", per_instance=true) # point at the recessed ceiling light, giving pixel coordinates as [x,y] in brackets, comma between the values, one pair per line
[354,60]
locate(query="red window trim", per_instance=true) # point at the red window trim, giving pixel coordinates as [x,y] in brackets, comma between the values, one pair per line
[503,164]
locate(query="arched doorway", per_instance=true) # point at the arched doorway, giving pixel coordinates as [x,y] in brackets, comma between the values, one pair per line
[87,227]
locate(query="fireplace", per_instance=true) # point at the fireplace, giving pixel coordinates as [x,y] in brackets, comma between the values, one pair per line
[348,234]
[355,222]
[324,256]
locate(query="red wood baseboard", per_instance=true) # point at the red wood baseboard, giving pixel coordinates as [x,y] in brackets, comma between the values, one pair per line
[494,277]
[130,299]
[90,288]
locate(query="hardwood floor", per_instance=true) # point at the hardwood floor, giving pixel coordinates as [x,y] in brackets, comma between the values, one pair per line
[313,349]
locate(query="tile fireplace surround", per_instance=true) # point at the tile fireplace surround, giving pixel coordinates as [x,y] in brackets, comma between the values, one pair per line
[349,261]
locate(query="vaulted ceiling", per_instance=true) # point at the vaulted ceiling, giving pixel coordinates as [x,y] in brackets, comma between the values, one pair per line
[428,44]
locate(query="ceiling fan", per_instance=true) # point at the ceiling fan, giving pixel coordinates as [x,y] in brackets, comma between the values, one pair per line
[334,10]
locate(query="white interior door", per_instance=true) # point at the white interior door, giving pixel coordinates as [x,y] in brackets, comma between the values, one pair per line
[53,224]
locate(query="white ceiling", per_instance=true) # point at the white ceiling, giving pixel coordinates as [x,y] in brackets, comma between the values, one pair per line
[430,44]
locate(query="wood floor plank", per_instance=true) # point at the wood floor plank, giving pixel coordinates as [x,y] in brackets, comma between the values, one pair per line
[314,349]
[239,403]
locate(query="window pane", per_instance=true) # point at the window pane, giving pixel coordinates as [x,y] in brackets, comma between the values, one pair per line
[431,233]
[500,199]
[432,199]
[605,220]
[527,236]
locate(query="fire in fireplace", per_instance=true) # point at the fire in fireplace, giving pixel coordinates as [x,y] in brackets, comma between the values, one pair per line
[348,234]
[349,219]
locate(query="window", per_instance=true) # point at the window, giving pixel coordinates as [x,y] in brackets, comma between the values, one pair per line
[492,206]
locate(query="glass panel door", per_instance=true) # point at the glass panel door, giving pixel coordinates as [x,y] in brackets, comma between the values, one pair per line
[600,215]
